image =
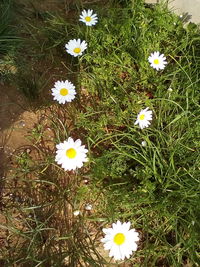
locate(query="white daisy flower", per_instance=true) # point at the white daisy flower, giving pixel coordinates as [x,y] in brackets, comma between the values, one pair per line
[157,61]
[143,118]
[71,154]
[120,240]
[63,91]
[88,18]
[76,47]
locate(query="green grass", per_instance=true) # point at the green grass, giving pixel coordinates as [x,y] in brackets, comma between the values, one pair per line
[9,40]
[156,187]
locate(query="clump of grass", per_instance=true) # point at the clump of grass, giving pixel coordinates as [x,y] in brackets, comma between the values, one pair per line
[156,186]
[9,40]
[31,84]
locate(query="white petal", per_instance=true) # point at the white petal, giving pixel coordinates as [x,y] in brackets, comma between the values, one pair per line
[126,226]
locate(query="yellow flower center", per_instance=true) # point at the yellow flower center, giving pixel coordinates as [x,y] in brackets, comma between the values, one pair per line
[64,92]
[71,153]
[88,19]
[119,239]
[142,116]
[77,50]
[156,61]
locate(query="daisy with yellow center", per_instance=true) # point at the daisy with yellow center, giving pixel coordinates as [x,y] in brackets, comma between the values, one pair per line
[88,18]
[71,154]
[76,47]
[63,91]
[120,240]
[143,118]
[157,61]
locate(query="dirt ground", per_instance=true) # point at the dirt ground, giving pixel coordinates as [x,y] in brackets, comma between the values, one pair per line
[16,120]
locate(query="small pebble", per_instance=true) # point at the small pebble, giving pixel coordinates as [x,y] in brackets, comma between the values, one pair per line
[76,212]
[144,143]
[88,207]
[21,123]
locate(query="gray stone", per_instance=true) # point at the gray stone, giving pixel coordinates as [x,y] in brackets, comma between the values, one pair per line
[151,1]
[189,7]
